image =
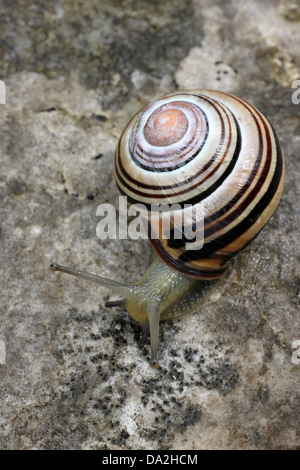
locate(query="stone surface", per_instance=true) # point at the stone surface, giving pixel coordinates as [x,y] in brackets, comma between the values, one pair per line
[76,376]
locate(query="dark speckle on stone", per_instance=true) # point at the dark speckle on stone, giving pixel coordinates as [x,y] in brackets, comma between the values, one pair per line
[189,354]
[222,376]
[263,394]
[17,187]
[47,110]
[192,414]
[100,117]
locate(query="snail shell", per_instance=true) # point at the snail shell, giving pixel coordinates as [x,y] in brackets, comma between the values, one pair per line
[205,148]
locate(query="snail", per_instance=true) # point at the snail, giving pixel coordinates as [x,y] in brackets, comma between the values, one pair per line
[212,151]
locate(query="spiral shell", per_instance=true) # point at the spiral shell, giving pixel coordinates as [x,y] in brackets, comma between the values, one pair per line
[208,149]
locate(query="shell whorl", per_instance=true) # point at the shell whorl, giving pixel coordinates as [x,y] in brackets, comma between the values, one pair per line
[206,148]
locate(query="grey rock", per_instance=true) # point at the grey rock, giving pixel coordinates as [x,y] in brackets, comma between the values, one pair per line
[76,375]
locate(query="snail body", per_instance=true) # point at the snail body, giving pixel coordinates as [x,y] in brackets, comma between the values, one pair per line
[209,150]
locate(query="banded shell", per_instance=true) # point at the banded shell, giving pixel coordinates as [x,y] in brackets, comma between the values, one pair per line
[209,149]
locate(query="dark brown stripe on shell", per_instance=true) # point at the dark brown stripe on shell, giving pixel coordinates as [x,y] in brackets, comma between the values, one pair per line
[176,156]
[195,199]
[239,210]
[245,224]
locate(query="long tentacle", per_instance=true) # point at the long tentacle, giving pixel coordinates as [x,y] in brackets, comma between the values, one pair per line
[153,313]
[123,289]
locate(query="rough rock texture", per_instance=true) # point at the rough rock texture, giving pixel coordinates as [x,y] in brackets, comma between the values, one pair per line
[76,376]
